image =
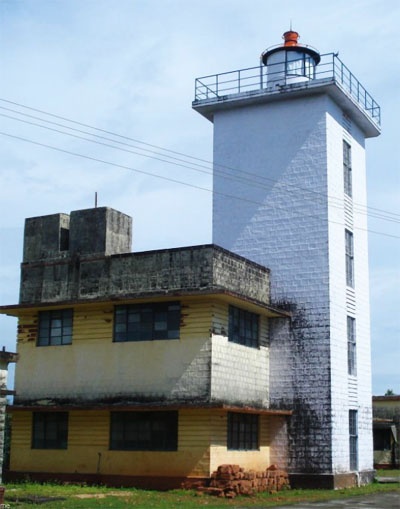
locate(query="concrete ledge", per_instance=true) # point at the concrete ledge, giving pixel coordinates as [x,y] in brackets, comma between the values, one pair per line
[331,481]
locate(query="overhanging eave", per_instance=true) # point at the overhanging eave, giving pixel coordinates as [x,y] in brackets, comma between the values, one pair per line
[331,87]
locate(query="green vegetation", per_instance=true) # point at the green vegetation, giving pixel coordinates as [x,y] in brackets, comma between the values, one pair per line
[388,473]
[27,495]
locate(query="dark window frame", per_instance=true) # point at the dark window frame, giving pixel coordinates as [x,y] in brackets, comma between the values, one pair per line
[351,346]
[347,169]
[147,321]
[49,430]
[144,431]
[349,251]
[244,327]
[243,432]
[382,439]
[55,327]
[353,439]
[299,64]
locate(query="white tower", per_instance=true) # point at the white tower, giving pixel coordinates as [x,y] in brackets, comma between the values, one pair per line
[290,193]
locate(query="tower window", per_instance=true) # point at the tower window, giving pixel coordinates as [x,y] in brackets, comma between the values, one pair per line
[351,345]
[243,431]
[50,430]
[55,327]
[243,327]
[349,248]
[353,439]
[347,173]
[145,322]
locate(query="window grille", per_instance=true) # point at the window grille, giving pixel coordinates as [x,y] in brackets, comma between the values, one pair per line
[145,322]
[55,327]
[353,438]
[50,430]
[144,431]
[349,248]
[351,346]
[243,431]
[347,171]
[243,327]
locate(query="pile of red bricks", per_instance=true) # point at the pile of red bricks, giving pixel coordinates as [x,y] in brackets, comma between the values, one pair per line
[231,480]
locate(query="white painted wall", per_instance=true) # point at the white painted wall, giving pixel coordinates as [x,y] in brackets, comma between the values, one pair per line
[239,374]
[285,159]
[348,392]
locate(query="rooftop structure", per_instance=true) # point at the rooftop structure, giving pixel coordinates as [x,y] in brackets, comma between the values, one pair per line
[290,70]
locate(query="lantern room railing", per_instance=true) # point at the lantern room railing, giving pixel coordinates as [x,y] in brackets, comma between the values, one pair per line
[330,68]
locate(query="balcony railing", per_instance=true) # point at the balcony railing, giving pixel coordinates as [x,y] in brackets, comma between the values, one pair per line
[219,86]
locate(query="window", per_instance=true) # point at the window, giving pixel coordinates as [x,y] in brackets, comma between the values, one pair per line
[382,439]
[242,431]
[50,430]
[349,248]
[143,322]
[353,435]
[351,346]
[243,327]
[55,327]
[298,64]
[347,174]
[144,431]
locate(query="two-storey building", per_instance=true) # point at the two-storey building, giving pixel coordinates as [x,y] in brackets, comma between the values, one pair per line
[142,368]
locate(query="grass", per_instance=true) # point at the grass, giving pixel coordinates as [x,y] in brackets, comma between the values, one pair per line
[388,473]
[24,496]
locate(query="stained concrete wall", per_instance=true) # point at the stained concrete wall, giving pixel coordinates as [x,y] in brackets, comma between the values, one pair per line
[100,230]
[93,267]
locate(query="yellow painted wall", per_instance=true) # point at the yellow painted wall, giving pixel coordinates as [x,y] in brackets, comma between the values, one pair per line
[252,460]
[238,373]
[88,448]
[202,436]
[95,367]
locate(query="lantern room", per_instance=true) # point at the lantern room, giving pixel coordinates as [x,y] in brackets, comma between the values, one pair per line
[290,62]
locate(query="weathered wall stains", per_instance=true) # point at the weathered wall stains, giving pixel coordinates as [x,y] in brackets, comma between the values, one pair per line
[304,347]
[50,275]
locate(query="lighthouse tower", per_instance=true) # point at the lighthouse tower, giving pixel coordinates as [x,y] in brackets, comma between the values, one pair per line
[290,194]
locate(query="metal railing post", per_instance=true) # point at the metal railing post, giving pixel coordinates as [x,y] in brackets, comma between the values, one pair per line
[331,67]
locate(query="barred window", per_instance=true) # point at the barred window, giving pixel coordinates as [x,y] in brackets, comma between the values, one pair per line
[353,439]
[351,346]
[347,172]
[144,322]
[50,430]
[243,431]
[144,431]
[55,327]
[349,248]
[243,327]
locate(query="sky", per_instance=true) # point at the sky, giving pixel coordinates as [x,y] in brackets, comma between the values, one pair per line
[128,67]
